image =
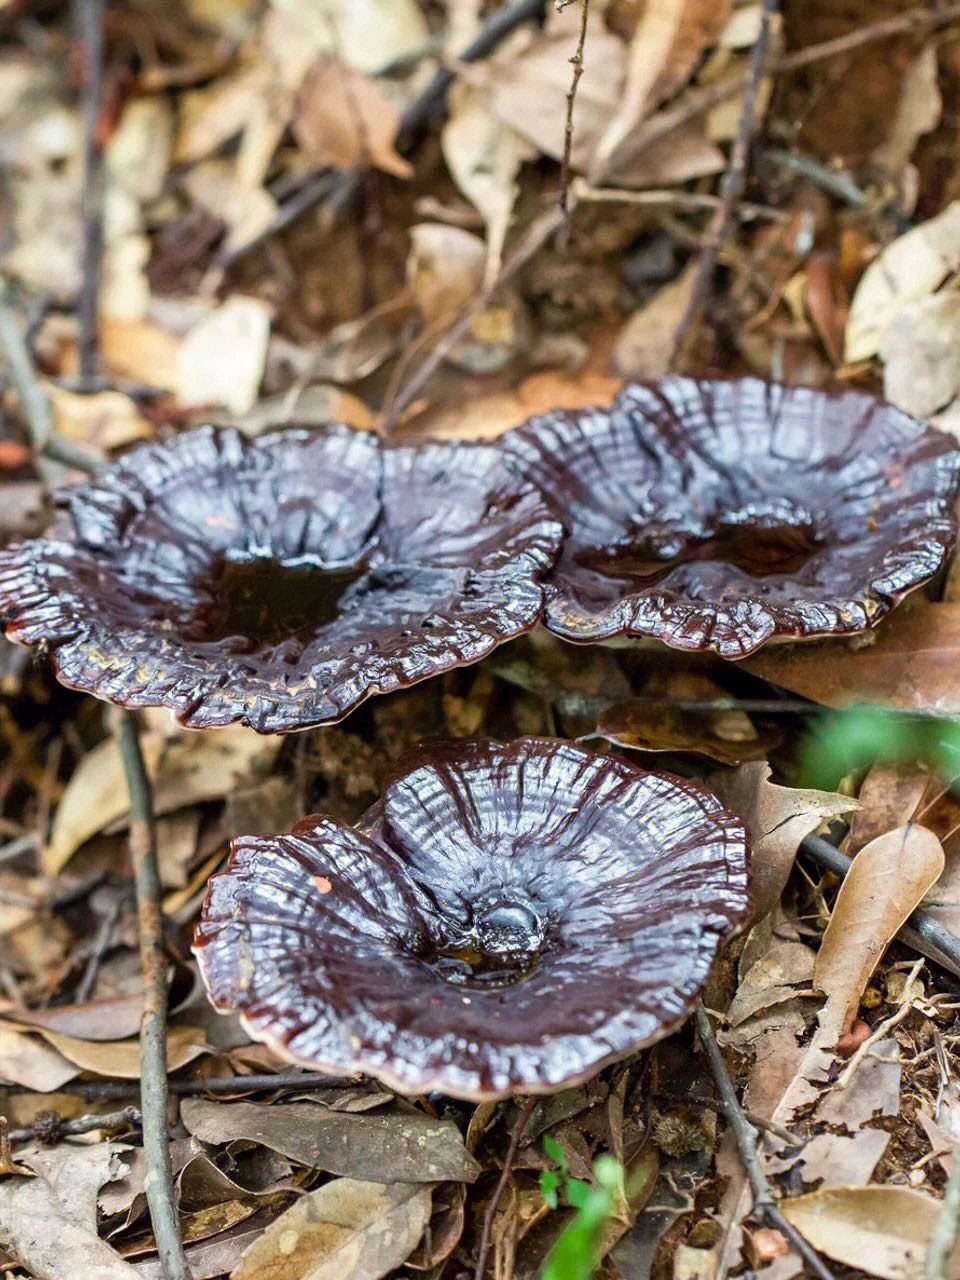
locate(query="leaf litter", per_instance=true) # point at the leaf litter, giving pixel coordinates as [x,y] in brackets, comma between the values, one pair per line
[220,300]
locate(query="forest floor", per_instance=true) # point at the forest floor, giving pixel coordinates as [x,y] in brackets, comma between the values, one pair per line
[263,213]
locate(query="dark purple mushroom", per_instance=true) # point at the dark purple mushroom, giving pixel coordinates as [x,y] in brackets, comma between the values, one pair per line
[279,582]
[724,514]
[506,919]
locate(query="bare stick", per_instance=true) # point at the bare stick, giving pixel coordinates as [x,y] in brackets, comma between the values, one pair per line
[732,183]
[34,401]
[264,1082]
[944,1236]
[90,22]
[577,63]
[54,1129]
[518,1129]
[900,25]
[745,1136]
[158,1183]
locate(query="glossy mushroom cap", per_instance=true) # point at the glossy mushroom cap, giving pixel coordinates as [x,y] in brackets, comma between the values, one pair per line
[506,919]
[280,581]
[724,514]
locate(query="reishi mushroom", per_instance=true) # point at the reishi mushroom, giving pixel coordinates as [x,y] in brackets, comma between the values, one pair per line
[722,514]
[280,581]
[506,919]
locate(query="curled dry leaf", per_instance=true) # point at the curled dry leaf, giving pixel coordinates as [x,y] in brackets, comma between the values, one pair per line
[48,1223]
[881,1230]
[345,1230]
[778,819]
[409,1147]
[343,119]
[885,883]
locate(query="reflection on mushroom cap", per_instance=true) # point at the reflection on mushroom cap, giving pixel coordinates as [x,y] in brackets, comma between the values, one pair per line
[720,515]
[506,919]
[280,581]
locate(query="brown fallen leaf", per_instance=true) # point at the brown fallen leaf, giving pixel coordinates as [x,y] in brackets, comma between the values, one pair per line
[913,662]
[49,1223]
[411,1147]
[344,119]
[27,1061]
[881,1230]
[889,796]
[122,1057]
[778,819]
[885,883]
[345,1230]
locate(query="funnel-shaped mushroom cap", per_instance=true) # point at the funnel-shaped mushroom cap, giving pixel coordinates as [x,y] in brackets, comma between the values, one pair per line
[723,514]
[280,581]
[506,919]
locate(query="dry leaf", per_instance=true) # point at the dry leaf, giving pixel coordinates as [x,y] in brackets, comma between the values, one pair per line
[484,156]
[223,356]
[889,796]
[778,819]
[370,35]
[669,40]
[911,660]
[104,420]
[343,119]
[27,1061]
[410,1147]
[646,344]
[881,1230]
[121,1058]
[187,769]
[918,111]
[345,1230]
[444,270]
[885,883]
[50,1226]
[907,271]
[141,350]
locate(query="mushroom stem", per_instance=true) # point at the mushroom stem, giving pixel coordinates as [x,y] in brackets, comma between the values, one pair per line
[158,1183]
[745,1135]
[518,1130]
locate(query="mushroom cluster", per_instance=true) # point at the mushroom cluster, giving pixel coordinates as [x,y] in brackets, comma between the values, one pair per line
[280,581]
[506,919]
[721,515]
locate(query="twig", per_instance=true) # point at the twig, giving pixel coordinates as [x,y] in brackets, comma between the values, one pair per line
[745,1135]
[920,924]
[90,24]
[34,401]
[577,63]
[731,184]
[213,1084]
[43,1131]
[522,1121]
[899,25]
[153,1024]
[338,188]
[100,944]
[941,1242]
[671,198]
[880,1031]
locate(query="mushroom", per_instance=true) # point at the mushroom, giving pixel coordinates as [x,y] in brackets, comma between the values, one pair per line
[721,515]
[280,581]
[506,919]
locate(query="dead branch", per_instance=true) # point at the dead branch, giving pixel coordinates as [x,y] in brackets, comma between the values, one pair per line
[731,184]
[153,1024]
[745,1135]
[577,63]
[89,19]
[518,1129]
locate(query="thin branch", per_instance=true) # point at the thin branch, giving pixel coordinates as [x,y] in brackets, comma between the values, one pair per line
[902,24]
[745,1136]
[920,924]
[944,1236]
[53,1129]
[671,198]
[732,183]
[265,1081]
[90,22]
[518,1130]
[577,63]
[153,1024]
[34,401]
